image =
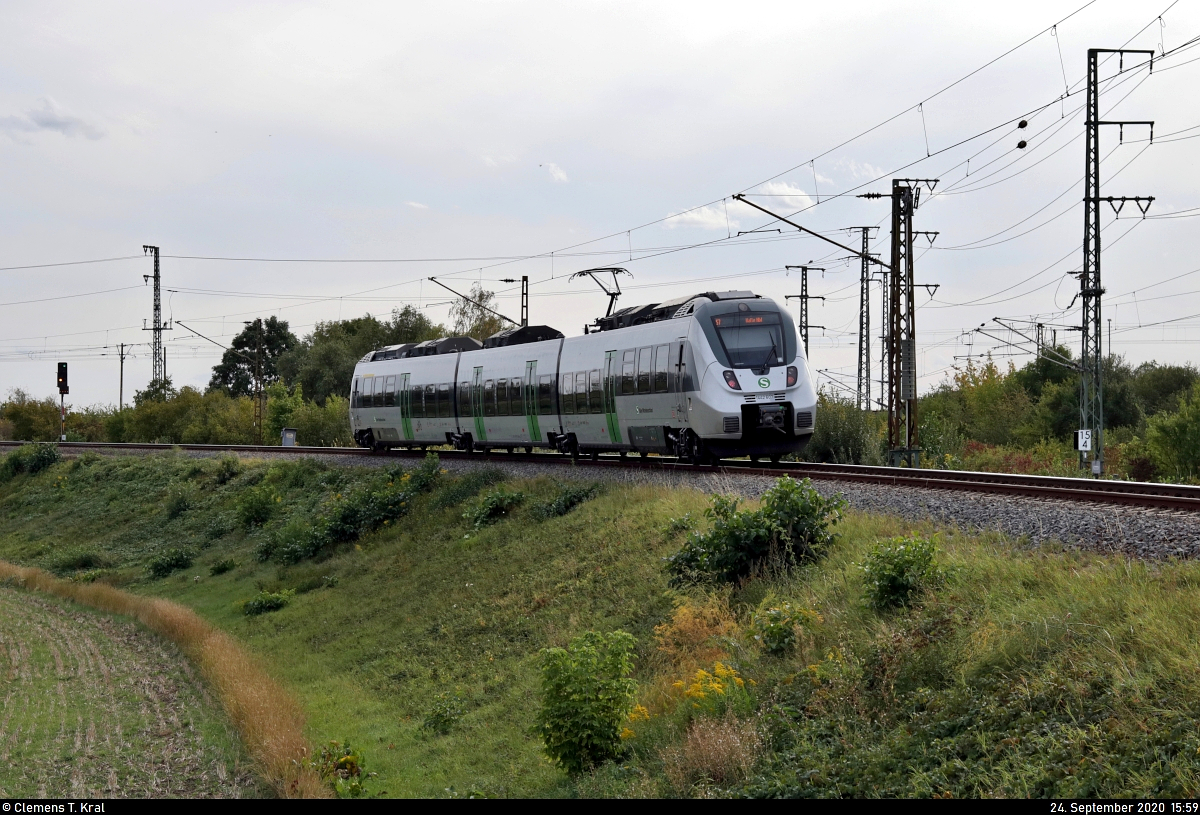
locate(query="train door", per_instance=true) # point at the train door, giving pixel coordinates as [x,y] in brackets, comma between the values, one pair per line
[530,401]
[477,404]
[677,386]
[405,408]
[612,372]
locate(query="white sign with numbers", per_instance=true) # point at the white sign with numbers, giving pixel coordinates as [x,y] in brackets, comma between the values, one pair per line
[1083,440]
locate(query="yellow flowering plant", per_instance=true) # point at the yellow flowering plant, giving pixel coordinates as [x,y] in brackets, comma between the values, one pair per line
[715,692]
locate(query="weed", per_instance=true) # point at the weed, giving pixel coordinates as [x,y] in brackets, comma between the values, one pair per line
[228,468]
[717,692]
[697,632]
[179,500]
[714,751]
[256,505]
[169,561]
[567,499]
[268,601]
[676,526]
[447,709]
[587,696]
[342,768]
[218,527]
[29,458]
[468,486]
[74,560]
[222,566]
[894,573]
[492,507]
[775,626]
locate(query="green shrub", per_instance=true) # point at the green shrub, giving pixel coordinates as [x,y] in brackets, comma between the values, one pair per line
[567,499]
[179,501]
[29,458]
[228,468]
[792,527]
[895,572]
[169,561]
[342,768]
[675,526]
[775,626]
[256,505]
[74,560]
[468,486]
[268,601]
[493,506]
[222,566]
[218,527]
[587,696]
[1173,439]
[447,709]
[844,434]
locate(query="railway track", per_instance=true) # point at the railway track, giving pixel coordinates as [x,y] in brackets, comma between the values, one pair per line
[1131,493]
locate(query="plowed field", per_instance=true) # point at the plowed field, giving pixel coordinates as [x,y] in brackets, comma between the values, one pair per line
[91,706]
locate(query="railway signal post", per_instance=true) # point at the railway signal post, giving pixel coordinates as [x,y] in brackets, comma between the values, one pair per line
[63,390]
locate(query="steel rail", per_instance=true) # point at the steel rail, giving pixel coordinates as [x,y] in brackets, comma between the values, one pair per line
[1104,491]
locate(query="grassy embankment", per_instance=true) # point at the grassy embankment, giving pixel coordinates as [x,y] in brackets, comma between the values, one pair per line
[1025,673]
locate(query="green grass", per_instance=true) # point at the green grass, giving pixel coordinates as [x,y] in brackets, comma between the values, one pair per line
[1024,672]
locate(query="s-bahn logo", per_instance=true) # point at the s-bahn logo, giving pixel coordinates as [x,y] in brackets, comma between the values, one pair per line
[763,382]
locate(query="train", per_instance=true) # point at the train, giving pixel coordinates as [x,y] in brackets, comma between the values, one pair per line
[708,376]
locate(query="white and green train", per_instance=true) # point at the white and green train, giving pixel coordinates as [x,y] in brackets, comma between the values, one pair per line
[715,375]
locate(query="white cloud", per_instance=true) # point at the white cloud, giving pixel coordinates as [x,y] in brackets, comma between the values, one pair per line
[860,169]
[712,217]
[786,195]
[50,116]
[417,205]
[557,174]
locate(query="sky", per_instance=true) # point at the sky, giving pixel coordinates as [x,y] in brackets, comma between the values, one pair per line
[319,161]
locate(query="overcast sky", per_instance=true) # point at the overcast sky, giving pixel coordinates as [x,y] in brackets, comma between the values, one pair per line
[465,136]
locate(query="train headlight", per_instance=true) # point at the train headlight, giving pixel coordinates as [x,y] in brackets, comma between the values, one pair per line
[793,375]
[731,380]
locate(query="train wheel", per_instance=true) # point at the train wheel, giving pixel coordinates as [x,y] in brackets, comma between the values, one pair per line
[595,455]
[528,449]
[774,459]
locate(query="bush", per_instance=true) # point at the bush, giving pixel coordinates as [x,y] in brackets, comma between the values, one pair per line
[468,486]
[29,458]
[844,434]
[792,527]
[446,711]
[775,627]
[169,561]
[228,468]
[268,601]
[717,751]
[567,499]
[179,501]
[493,506]
[586,697]
[1173,439]
[255,506]
[222,566]
[74,560]
[342,768]
[716,693]
[895,572]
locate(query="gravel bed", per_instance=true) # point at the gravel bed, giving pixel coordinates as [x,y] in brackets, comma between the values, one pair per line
[1132,531]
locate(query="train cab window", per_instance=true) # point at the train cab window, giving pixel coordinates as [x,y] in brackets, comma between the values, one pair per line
[644,370]
[662,364]
[596,400]
[545,395]
[567,394]
[379,386]
[501,397]
[389,392]
[581,392]
[444,406]
[628,375]
[464,398]
[431,411]
[418,402]
[489,397]
[356,394]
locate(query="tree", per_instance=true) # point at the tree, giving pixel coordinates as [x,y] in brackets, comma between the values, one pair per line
[1159,387]
[323,363]
[472,318]
[1174,438]
[259,345]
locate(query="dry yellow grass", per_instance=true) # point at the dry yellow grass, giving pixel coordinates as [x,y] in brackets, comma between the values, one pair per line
[267,717]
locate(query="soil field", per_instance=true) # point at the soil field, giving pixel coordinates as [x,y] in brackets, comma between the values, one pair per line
[92,706]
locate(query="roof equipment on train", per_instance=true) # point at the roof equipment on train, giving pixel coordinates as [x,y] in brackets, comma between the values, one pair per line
[652,313]
[521,335]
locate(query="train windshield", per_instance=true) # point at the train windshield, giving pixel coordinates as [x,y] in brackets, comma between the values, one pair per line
[751,340]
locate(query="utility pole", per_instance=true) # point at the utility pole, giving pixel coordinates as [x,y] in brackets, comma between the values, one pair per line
[158,364]
[804,297]
[864,322]
[901,334]
[1091,384]
[258,388]
[121,380]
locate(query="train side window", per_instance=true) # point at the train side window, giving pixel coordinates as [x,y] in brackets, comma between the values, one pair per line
[389,392]
[444,406]
[501,397]
[596,393]
[489,397]
[645,374]
[418,402]
[431,410]
[379,386]
[567,394]
[546,395]
[628,374]
[662,363]
[356,394]
[464,398]
[581,392]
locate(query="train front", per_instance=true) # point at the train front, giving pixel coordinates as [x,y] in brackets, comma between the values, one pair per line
[755,395]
